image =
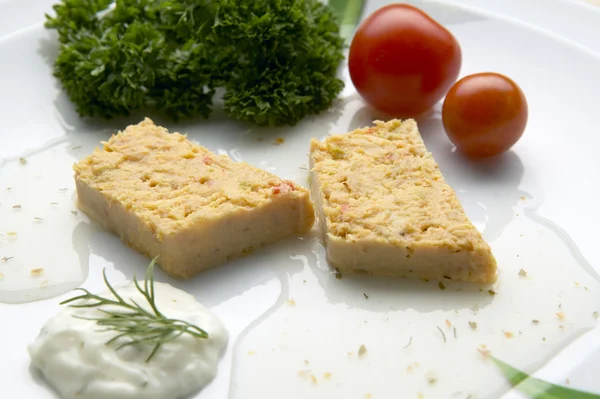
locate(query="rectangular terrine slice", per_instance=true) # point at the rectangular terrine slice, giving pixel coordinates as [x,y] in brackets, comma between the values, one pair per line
[385,208]
[166,196]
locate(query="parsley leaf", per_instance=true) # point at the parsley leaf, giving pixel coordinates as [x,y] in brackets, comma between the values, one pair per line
[275,59]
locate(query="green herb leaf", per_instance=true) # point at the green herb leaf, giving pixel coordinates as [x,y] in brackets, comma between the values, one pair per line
[132,322]
[348,13]
[536,388]
[276,60]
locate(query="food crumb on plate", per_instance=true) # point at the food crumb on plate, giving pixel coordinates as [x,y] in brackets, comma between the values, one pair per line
[368,396]
[492,292]
[362,350]
[483,351]
[535,321]
[522,273]
[291,302]
[74,213]
[1,276]
[17,206]
[313,379]
[560,315]
[327,375]
[7,258]
[595,315]
[508,334]
[411,367]
[448,323]
[37,272]
[473,325]
[22,161]
[279,140]
[251,353]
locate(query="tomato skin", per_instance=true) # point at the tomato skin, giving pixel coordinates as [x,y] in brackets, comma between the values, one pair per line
[485,114]
[401,61]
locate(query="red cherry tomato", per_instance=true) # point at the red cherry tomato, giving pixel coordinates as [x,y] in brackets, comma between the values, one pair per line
[484,114]
[403,62]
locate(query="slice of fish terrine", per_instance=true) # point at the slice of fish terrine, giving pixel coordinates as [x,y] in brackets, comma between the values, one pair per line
[385,209]
[166,196]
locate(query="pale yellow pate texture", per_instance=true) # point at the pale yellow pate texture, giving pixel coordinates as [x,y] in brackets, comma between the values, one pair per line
[167,196]
[386,210]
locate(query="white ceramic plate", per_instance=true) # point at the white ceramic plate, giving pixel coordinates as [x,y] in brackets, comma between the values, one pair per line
[289,318]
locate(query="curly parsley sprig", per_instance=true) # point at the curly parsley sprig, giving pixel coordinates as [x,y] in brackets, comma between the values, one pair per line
[275,59]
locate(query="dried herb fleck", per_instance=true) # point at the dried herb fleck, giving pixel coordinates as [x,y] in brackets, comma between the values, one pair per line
[443,335]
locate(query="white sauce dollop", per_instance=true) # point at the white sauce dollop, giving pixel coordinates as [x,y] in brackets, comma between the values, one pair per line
[73,356]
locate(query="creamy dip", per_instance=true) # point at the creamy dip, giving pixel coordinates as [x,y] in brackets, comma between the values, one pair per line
[73,356]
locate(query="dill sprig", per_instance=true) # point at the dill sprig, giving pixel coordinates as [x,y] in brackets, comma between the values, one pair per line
[130,320]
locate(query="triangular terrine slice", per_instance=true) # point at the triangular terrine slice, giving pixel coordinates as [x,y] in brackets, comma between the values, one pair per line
[385,208]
